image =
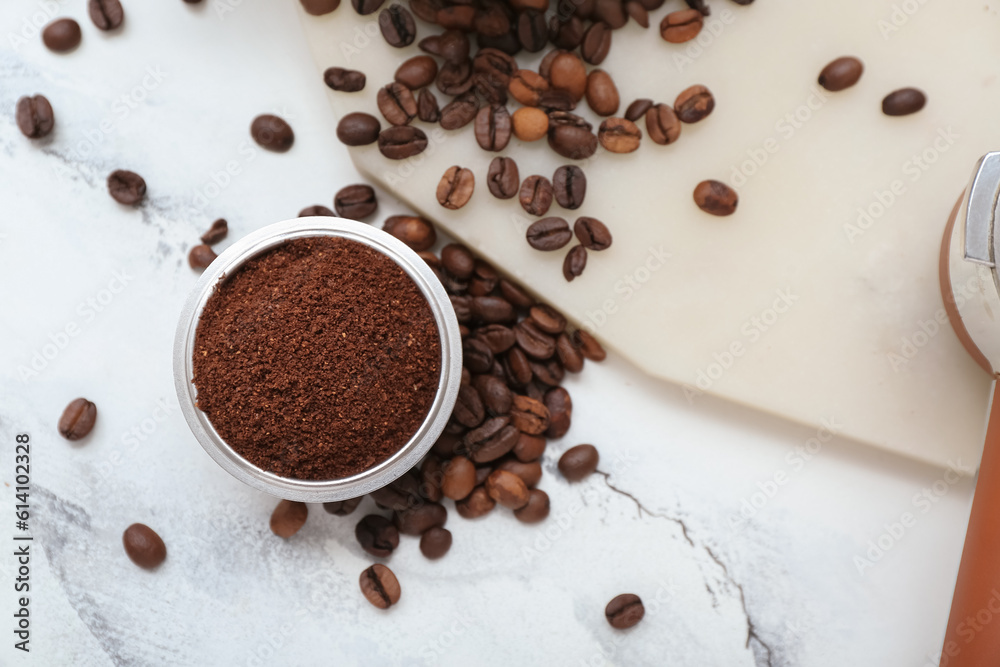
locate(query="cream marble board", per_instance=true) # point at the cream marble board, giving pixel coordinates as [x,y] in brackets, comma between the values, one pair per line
[860,339]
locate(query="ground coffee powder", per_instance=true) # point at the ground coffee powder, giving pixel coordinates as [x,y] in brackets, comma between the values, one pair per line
[318,359]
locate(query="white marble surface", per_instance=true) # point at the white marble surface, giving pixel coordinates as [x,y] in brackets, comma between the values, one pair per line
[780,588]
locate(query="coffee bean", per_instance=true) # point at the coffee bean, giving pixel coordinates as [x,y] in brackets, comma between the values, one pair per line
[529,415]
[431,475]
[493,309]
[272,133]
[476,505]
[314,7]
[342,507]
[575,263]
[458,260]
[716,198]
[566,32]
[358,129]
[517,367]
[610,12]
[78,419]
[530,124]
[578,462]
[216,232]
[588,346]
[415,232]
[447,445]
[396,103]
[459,478]
[469,410]
[560,406]
[477,357]
[572,141]
[695,4]
[530,472]
[397,26]
[426,10]
[355,201]
[378,584]
[532,30]
[435,542]
[694,104]
[637,13]
[568,73]
[549,234]
[592,233]
[602,94]
[533,341]
[316,209]
[143,546]
[527,87]
[619,135]
[455,188]
[365,7]
[569,356]
[493,128]
[903,102]
[662,124]
[126,187]
[401,141]
[344,80]
[507,489]
[457,17]
[492,20]
[35,117]
[497,337]
[455,78]
[288,517]
[496,437]
[106,14]
[415,520]
[417,72]
[596,43]
[529,447]
[463,311]
[201,256]
[517,296]
[502,178]
[536,509]
[459,112]
[545,66]
[377,535]
[549,373]
[451,45]
[569,185]
[624,611]
[497,397]
[61,35]
[536,195]
[494,70]
[681,26]
[427,107]
[638,109]
[841,73]
[547,319]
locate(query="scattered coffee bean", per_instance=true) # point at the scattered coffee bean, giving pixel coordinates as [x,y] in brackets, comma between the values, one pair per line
[415,520]
[529,415]
[569,185]
[316,209]
[397,25]
[458,260]
[592,233]
[496,437]
[377,535]
[532,30]
[414,231]
[459,112]
[396,103]
[106,14]
[61,35]
[841,73]
[549,234]
[558,401]
[502,179]
[507,489]
[530,124]
[457,17]
[533,341]
[619,135]
[35,117]
[575,263]
[662,124]
[401,494]
[530,472]
[427,107]
[569,356]
[549,373]
[536,195]
[451,45]
[455,188]
[536,509]
[216,232]
[435,542]
[527,87]
[588,346]
[578,462]
[358,129]
[596,43]
[568,73]
[288,517]
[572,140]
[515,295]
[624,611]
[459,478]
[903,102]
[355,202]
[694,104]
[126,187]
[716,198]
[681,26]
[547,319]
[455,78]
[77,420]
[272,133]
[493,128]
[602,94]
[342,507]
[366,7]
[477,504]
[638,109]
[417,72]
[493,309]
[201,256]
[314,7]
[401,141]
[566,32]
[143,546]
[529,448]
[378,584]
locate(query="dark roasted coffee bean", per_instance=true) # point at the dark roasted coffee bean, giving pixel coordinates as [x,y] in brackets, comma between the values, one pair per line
[508,43]
[619,135]
[61,35]
[493,309]
[498,338]
[560,407]
[841,73]
[694,104]
[547,318]
[397,25]
[401,141]
[482,473]
[459,478]
[358,129]
[462,304]
[493,70]
[549,234]
[662,124]
[106,14]
[610,12]
[143,546]
[496,437]
[435,542]
[455,78]
[492,21]
[378,584]
[694,4]
[578,462]
[532,30]
[365,7]
[533,341]
[536,195]
[624,611]
[377,535]
[401,494]
[426,9]
[568,73]
[569,356]
[497,398]
[588,346]
[549,373]
[484,281]
[517,367]
[502,178]
[201,256]
[507,489]
[681,26]
[602,94]
[126,187]
[592,233]
[35,117]
[397,104]
[272,133]
[517,296]
[430,479]
[476,505]
[529,447]
[572,141]
[492,128]
[427,107]
[342,507]
[355,202]
[314,7]
[637,13]
[457,17]
[566,34]
[575,262]
[317,209]
[637,110]
[216,232]
[527,87]
[78,419]
[556,100]
[459,112]
[458,260]
[653,5]
[288,517]
[469,410]
[477,356]
[596,43]
[455,188]
[447,445]
[417,72]
[416,520]
[451,45]
[569,185]
[530,473]
[582,8]
[529,415]
[344,80]
[903,102]
[716,198]
[536,509]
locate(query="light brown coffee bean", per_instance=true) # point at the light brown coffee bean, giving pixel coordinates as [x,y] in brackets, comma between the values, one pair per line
[681,26]
[380,586]
[568,73]
[529,415]
[529,447]
[201,256]
[477,504]
[414,231]
[602,94]
[459,478]
[624,611]
[530,472]
[662,124]
[507,489]
[527,87]
[143,546]
[619,135]
[397,104]
[536,509]
[417,72]
[903,102]
[78,419]
[530,124]
[456,187]
[288,517]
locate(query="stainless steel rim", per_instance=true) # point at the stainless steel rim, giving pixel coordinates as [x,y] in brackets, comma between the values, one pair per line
[373,478]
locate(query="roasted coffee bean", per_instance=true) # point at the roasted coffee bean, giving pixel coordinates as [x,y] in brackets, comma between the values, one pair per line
[637,110]
[549,373]
[569,356]
[592,233]
[288,517]
[397,104]
[497,397]
[401,494]
[588,346]
[126,187]
[272,133]
[476,505]
[903,102]
[545,66]
[493,439]
[572,141]
[517,367]
[216,232]
[619,135]
[532,30]
[477,357]
[462,305]
[342,507]
[529,447]
[355,201]
[610,12]
[316,209]
[455,78]
[106,14]
[566,34]
[624,611]
[459,478]
[549,234]
[459,112]
[681,26]
[530,124]
[447,445]
[431,475]
[78,419]
[451,45]
[517,296]
[493,309]
[530,473]
[568,73]
[401,141]
[416,520]
[716,198]
[697,4]
[378,584]
[602,94]
[435,542]
[314,7]
[495,68]
[365,7]
[469,410]
[457,17]
[533,341]
[694,104]
[556,100]
[397,25]
[529,415]
[143,546]
[458,260]
[596,43]
[426,9]
[547,318]
[536,509]
[662,124]
[507,43]
[201,256]
[637,13]
[358,129]
[455,188]
[569,185]
[502,178]
[417,72]
[497,337]
[527,87]
[492,20]
[493,128]
[35,117]
[61,35]
[377,535]
[560,406]
[507,489]
[575,262]
[578,462]
[344,80]
[841,73]
[536,195]
[484,280]
[427,107]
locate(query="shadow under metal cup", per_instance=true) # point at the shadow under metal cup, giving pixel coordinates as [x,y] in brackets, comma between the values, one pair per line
[409,455]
